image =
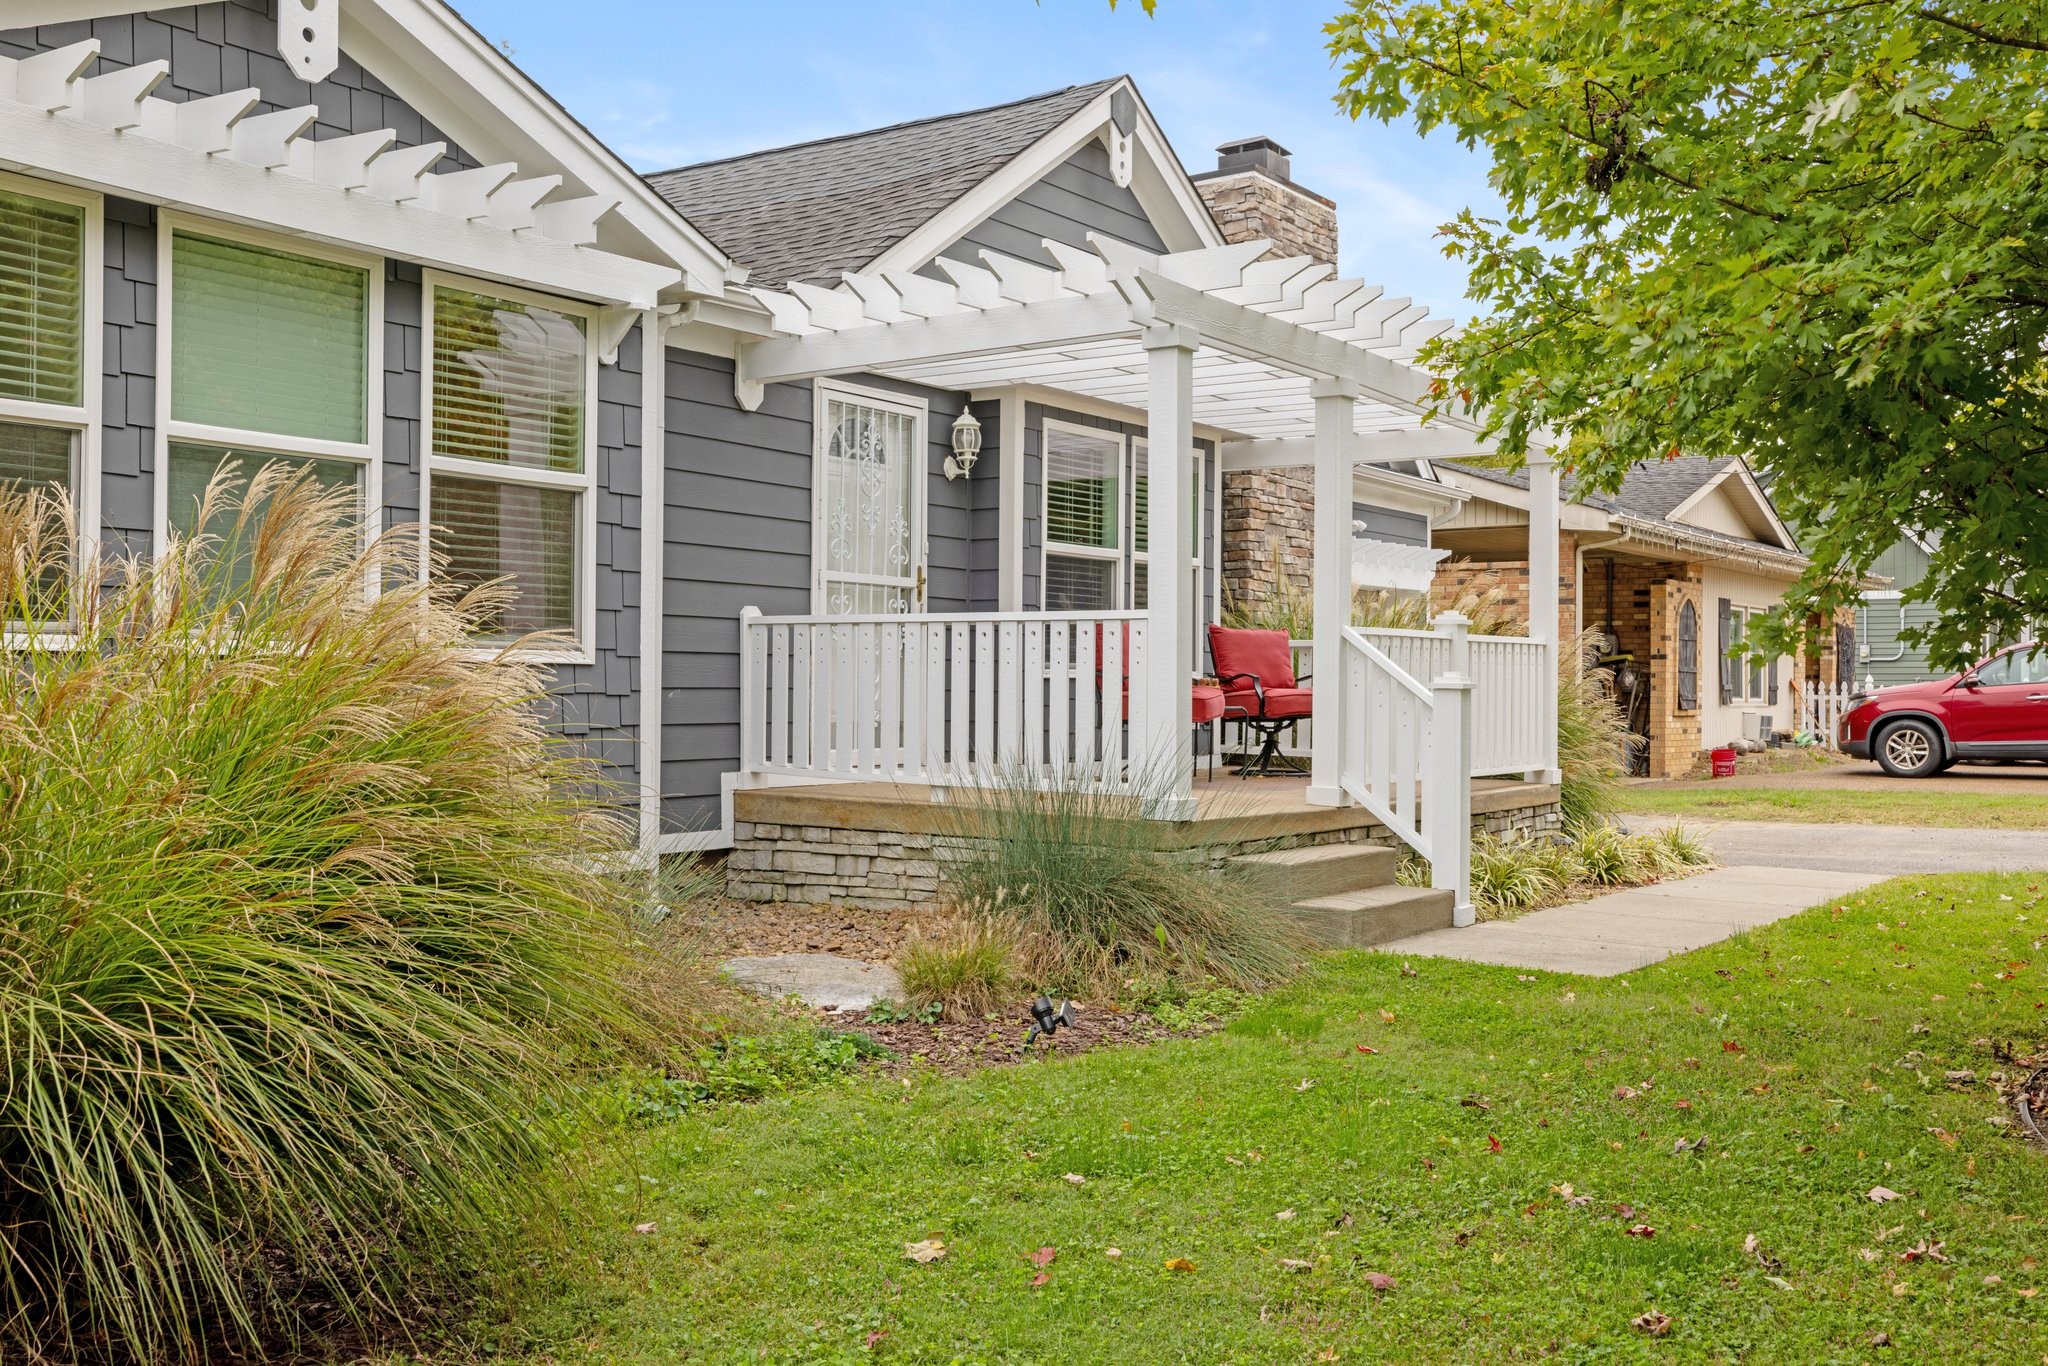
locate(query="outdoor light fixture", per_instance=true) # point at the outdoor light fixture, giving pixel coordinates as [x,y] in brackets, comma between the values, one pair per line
[966,446]
[1045,1019]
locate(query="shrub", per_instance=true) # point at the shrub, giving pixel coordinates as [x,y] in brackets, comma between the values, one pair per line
[965,969]
[1094,903]
[299,925]
[1680,848]
[1592,740]
[1610,857]
[1514,874]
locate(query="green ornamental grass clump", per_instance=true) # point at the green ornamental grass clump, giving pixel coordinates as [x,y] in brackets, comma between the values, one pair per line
[298,928]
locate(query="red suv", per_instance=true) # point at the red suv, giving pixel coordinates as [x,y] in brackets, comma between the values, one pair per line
[1998,710]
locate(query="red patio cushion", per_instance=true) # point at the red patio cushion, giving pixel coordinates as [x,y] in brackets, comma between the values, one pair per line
[1281,703]
[1263,653]
[1208,704]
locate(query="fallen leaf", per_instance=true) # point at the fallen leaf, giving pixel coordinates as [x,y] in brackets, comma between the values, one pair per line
[2028,1293]
[1523,977]
[1994,1280]
[1944,1137]
[1113,1253]
[1901,1288]
[1880,1339]
[1640,1231]
[1041,1280]
[1284,1214]
[1379,1280]
[1044,1256]
[1307,1084]
[1327,1354]
[1295,1264]
[1075,1179]
[1681,1105]
[875,1337]
[1386,1016]
[1730,1046]
[1625,1093]
[1651,1322]
[1492,1144]
[1688,1062]
[1363,1049]
[1477,1103]
[643,1228]
[1685,1145]
[1870,1254]
[1924,1251]
[1780,1282]
[1624,1209]
[930,1250]
[1407,971]
[1179,1264]
[1755,1248]
[1880,1194]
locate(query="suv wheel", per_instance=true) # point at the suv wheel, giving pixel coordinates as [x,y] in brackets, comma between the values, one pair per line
[1910,749]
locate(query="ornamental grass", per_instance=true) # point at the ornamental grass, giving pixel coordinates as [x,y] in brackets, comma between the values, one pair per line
[299,922]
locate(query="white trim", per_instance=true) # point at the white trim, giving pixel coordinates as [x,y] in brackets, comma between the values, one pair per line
[1010,456]
[584,611]
[919,411]
[368,454]
[1160,182]
[653,567]
[85,417]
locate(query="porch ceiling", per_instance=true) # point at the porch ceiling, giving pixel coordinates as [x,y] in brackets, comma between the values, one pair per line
[1269,329]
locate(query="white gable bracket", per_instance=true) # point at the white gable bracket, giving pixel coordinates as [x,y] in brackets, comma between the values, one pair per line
[610,327]
[309,37]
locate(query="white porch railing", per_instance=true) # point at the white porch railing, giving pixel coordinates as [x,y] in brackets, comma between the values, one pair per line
[1405,754]
[943,699]
[1821,707]
[1508,734]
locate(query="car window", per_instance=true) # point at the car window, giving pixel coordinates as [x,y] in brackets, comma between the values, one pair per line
[2015,667]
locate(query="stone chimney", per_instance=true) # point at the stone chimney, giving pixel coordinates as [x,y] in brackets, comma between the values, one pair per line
[1268,514]
[1252,193]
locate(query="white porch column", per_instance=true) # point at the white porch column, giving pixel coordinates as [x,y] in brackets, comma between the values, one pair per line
[1167,749]
[1335,400]
[1544,512]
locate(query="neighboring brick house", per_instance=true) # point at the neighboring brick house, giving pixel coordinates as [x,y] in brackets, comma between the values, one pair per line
[1269,514]
[1669,571]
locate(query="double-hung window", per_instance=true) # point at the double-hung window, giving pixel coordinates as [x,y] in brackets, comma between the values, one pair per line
[49,256]
[510,442]
[270,358]
[1747,675]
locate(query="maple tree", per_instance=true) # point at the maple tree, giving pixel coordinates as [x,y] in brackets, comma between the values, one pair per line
[1811,234]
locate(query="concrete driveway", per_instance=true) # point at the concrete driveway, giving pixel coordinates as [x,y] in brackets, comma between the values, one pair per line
[1886,850]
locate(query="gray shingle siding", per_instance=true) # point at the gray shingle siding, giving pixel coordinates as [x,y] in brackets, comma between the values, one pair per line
[599,703]
[232,45]
[404,399]
[128,379]
[738,534]
[1070,201]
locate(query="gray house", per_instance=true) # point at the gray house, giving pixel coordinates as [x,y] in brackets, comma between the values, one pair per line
[842,462]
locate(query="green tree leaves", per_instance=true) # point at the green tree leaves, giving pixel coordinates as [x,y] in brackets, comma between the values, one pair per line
[1808,233]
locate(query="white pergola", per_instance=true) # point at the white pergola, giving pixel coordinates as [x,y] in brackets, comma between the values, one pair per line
[1288,363]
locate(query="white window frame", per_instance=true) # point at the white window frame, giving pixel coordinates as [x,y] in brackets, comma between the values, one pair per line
[1119,556]
[582,484]
[919,411]
[367,453]
[1746,667]
[83,418]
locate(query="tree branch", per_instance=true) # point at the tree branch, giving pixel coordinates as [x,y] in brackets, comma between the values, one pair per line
[1982,34]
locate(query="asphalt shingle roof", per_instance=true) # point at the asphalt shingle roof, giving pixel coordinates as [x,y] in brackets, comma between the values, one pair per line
[812,211]
[1650,489]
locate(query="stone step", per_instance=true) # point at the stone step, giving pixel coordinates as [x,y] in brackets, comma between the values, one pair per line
[1325,869]
[1357,920]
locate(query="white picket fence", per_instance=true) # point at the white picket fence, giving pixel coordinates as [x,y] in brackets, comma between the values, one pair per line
[1821,707]
[1508,672]
[944,699]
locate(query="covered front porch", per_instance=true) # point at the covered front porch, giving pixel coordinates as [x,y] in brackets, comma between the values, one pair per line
[1217,351]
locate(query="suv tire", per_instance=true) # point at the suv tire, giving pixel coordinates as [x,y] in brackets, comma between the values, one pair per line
[1910,749]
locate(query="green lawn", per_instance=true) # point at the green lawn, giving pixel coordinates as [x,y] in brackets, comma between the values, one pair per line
[779,1229]
[1892,806]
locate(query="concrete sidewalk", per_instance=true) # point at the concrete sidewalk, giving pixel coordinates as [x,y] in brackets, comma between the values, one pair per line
[1891,849]
[1623,931]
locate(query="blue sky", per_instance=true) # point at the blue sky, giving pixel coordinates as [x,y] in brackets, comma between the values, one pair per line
[667,83]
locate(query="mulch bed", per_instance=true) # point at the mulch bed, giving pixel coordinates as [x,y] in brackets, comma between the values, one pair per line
[954,1049]
[729,929]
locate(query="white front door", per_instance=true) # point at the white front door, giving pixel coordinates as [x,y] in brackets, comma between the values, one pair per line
[870,552]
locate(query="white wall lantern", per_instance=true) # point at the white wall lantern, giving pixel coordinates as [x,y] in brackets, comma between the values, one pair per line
[966,446]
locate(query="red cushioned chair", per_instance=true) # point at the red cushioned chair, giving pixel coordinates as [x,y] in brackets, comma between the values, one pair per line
[1256,669]
[1206,705]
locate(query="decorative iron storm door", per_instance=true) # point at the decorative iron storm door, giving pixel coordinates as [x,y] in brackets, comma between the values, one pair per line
[870,508]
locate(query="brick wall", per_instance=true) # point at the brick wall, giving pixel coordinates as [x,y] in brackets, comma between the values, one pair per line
[1674,733]
[1252,204]
[1509,579]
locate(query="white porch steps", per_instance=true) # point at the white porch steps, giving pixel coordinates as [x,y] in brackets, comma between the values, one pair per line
[1346,895]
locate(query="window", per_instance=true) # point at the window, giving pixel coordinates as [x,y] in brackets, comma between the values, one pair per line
[49,257]
[2016,667]
[1084,516]
[1744,677]
[509,470]
[1688,656]
[269,354]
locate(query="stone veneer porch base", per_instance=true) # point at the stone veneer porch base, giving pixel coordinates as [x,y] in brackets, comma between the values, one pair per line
[884,847]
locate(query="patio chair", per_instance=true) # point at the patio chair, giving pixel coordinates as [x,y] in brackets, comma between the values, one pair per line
[1206,705]
[1260,691]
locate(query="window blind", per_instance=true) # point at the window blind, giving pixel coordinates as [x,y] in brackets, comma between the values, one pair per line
[1081,504]
[486,530]
[265,341]
[509,382]
[35,457]
[42,300]
[192,469]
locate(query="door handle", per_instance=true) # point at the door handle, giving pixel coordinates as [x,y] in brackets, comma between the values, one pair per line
[920,585]
[2037,697]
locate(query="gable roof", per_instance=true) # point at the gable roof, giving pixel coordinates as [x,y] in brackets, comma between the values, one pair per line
[816,210]
[1659,491]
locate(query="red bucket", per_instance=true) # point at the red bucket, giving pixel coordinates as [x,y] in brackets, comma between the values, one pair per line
[1724,763]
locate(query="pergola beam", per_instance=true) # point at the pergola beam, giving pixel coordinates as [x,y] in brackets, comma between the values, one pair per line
[1433,442]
